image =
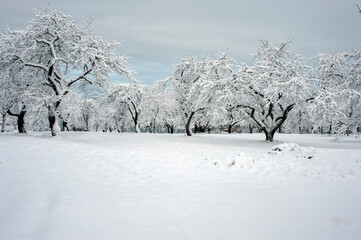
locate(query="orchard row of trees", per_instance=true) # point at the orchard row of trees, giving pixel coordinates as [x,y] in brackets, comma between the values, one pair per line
[279,90]
[47,68]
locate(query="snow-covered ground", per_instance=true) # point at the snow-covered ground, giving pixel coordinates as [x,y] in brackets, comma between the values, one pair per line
[144,186]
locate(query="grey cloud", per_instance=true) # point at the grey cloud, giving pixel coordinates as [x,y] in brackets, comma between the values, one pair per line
[154,32]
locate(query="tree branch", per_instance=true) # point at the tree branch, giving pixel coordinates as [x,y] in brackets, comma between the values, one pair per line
[51,44]
[28,64]
[82,76]
[12,114]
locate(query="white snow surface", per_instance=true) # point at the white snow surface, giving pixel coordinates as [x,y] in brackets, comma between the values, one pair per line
[159,186]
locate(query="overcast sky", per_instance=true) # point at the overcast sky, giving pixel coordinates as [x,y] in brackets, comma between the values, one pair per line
[154,33]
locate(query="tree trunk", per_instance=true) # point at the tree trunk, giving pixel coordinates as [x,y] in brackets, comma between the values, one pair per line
[20,119]
[53,124]
[3,122]
[170,129]
[65,126]
[154,128]
[269,135]
[300,124]
[188,124]
[195,128]
[188,130]
[230,126]
[136,125]
[86,120]
[201,129]
[137,129]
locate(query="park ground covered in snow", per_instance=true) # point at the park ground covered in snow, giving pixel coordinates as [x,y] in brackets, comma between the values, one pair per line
[159,186]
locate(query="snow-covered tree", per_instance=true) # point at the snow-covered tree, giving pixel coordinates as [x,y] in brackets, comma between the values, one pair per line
[337,97]
[5,100]
[70,112]
[301,121]
[153,104]
[353,103]
[15,97]
[199,86]
[159,109]
[54,46]
[89,108]
[170,118]
[273,86]
[222,92]
[129,96]
[329,90]
[185,80]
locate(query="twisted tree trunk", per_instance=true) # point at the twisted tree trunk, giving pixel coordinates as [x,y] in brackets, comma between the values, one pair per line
[20,118]
[188,124]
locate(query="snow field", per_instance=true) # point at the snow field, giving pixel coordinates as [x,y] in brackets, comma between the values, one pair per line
[144,186]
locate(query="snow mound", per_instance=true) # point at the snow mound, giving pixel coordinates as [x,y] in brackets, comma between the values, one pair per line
[292,160]
[293,150]
[286,147]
